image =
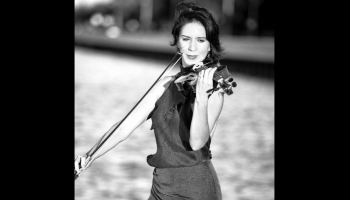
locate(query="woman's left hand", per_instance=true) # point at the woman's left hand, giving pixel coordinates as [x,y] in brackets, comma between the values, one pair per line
[204,83]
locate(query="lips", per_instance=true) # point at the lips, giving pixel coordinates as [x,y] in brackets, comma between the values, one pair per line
[192,57]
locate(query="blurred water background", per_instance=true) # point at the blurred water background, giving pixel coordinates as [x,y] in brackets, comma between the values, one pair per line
[121,47]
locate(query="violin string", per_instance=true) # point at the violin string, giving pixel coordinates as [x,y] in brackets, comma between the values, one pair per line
[103,144]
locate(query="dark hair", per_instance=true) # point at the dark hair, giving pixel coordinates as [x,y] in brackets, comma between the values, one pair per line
[187,12]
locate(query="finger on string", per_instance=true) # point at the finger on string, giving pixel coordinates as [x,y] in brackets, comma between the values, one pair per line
[206,73]
[200,76]
[211,73]
[201,73]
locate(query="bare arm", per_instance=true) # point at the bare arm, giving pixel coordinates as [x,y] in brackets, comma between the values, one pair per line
[215,105]
[137,117]
[206,111]
[134,120]
[94,148]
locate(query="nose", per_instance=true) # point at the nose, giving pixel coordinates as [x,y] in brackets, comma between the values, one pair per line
[192,46]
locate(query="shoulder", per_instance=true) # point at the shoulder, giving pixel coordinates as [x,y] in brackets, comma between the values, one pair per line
[165,81]
[161,86]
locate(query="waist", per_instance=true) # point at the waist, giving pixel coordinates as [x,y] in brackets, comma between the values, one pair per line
[181,168]
[165,158]
[193,182]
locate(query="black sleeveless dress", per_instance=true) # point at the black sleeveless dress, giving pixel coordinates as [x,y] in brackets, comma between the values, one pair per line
[180,172]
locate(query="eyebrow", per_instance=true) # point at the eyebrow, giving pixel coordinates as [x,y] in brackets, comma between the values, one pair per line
[189,36]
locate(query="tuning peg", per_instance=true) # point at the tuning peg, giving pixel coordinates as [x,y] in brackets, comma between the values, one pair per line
[228,91]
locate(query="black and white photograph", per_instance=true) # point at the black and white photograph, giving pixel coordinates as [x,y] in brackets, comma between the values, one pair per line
[174,99]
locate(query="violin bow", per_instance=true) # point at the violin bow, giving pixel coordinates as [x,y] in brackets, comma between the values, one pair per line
[93,155]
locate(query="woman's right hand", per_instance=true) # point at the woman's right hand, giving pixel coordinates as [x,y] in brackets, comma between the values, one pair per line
[79,163]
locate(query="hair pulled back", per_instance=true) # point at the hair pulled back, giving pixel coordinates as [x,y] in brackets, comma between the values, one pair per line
[188,12]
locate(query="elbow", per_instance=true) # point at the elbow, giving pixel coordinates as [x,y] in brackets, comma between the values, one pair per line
[196,148]
[121,134]
[196,145]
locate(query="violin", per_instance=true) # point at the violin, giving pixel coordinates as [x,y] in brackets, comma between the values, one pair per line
[221,76]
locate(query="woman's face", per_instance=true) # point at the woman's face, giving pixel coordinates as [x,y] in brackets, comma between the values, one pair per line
[193,43]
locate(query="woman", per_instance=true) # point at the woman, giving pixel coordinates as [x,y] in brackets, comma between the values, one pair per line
[184,120]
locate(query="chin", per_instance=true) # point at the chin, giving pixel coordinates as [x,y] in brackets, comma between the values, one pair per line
[188,63]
